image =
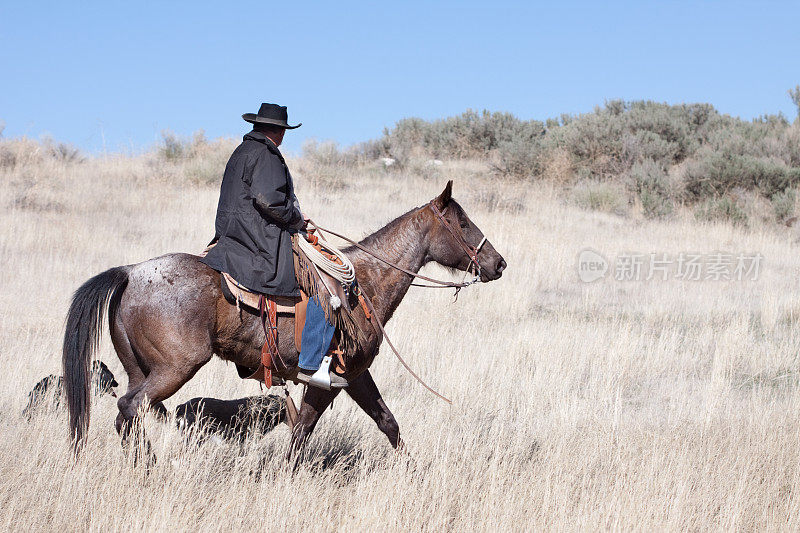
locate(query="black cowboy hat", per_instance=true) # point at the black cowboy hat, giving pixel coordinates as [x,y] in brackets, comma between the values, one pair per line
[271,114]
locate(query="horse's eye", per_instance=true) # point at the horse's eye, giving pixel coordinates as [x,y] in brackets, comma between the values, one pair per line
[464,224]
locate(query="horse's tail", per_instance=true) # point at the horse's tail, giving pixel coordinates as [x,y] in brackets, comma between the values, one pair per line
[81,339]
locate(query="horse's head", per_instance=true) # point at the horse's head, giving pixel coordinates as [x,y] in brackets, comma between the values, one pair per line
[456,242]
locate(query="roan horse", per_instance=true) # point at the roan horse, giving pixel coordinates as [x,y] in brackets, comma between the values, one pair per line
[168,316]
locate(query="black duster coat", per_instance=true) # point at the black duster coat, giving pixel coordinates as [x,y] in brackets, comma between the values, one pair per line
[256,215]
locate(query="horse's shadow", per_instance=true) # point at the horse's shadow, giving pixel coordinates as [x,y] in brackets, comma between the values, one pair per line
[343,458]
[346,460]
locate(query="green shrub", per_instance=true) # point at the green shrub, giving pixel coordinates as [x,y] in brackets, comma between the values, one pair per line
[724,208]
[647,145]
[715,174]
[208,169]
[783,204]
[204,161]
[791,138]
[518,158]
[650,183]
[794,94]
[62,152]
[600,196]
[471,134]
[328,153]
[173,148]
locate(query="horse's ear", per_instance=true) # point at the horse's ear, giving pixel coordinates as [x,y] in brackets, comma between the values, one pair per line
[447,194]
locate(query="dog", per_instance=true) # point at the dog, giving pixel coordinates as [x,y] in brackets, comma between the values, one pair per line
[232,419]
[48,394]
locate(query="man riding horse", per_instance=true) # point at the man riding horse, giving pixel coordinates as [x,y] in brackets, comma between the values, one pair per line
[256,216]
[168,316]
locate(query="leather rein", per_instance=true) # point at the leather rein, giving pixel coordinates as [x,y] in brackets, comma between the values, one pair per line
[471,251]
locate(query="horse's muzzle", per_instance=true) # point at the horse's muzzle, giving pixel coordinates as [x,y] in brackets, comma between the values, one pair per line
[499,267]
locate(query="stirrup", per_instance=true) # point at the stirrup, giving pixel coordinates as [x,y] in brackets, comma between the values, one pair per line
[322,377]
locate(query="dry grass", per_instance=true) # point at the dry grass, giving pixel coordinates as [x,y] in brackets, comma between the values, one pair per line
[640,405]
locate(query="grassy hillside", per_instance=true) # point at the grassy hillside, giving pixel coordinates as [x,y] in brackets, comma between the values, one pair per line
[642,157]
[660,404]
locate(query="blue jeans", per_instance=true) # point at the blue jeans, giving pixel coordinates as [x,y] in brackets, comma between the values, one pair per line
[317,336]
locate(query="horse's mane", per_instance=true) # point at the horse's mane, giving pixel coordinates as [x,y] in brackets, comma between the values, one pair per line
[386,230]
[392,226]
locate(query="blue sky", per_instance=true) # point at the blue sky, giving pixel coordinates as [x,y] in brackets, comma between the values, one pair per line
[113,75]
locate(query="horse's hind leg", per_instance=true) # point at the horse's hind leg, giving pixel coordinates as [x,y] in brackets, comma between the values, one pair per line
[122,345]
[136,374]
[173,361]
[365,393]
[159,385]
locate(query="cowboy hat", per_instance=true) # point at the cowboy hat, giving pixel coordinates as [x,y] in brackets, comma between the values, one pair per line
[270,114]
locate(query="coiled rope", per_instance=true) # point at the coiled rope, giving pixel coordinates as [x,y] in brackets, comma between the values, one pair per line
[342,270]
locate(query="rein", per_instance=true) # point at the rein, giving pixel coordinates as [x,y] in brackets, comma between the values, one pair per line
[472,253]
[377,324]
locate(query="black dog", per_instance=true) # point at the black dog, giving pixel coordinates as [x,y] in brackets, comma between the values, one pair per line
[47,395]
[232,419]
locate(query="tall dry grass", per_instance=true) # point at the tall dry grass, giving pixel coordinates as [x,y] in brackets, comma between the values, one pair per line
[613,405]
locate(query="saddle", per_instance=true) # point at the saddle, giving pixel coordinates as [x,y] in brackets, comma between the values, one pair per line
[268,307]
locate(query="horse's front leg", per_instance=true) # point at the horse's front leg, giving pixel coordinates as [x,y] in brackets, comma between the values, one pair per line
[365,393]
[315,401]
